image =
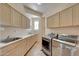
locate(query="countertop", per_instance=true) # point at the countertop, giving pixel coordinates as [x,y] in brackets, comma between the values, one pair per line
[67,43]
[26,36]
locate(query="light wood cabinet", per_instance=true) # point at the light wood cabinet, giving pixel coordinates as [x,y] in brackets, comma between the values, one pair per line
[11,17]
[9,50]
[28,22]
[5,14]
[53,21]
[76,52]
[24,22]
[66,52]
[16,18]
[56,50]
[66,17]
[19,48]
[61,19]
[76,15]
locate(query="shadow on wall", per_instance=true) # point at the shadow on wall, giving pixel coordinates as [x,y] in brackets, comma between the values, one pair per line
[13,32]
[65,30]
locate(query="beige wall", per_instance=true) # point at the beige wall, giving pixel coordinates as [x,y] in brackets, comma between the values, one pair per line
[42,28]
[42,25]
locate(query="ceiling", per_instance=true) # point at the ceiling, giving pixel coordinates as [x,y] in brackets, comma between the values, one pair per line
[48,9]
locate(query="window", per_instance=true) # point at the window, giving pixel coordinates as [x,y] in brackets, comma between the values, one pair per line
[36,25]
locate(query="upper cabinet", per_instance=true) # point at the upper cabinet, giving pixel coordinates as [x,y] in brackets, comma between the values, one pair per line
[76,14]
[11,17]
[53,21]
[24,22]
[16,18]
[61,19]
[5,14]
[66,17]
[28,22]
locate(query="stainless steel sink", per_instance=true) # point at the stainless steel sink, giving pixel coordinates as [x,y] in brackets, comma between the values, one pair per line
[10,40]
[68,38]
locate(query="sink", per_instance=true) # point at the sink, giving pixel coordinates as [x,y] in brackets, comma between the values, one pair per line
[68,40]
[10,40]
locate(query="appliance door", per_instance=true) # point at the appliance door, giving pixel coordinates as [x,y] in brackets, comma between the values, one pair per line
[46,46]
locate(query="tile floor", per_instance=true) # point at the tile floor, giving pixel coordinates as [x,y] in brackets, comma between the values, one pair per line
[36,50]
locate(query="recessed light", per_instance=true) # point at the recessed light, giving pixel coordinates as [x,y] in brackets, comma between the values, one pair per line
[39,3]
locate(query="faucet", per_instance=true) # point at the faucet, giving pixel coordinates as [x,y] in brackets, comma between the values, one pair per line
[8,37]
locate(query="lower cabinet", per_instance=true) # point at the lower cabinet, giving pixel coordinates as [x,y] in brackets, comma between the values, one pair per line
[9,50]
[61,49]
[19,48]
[56,50]
[66,52]
[76,52]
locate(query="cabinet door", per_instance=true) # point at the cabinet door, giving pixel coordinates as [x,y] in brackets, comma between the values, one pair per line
[16,18]
[56,50]
[76,15]
[24,22]
[28,23]
[76,52]
[5,14]
[66,50]
[24,45]
[53,21]
[66,17]
[50,22]
[56,20]
[20,48]
[9,50]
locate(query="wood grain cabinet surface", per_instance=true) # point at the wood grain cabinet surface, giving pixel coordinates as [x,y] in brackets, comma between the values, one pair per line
[53,21]
[66,17]
[76,15]
[19,48]
[11,17]
[5,14]
[61,19]
[15,18]
[24,22]
[56,49]
[76,52]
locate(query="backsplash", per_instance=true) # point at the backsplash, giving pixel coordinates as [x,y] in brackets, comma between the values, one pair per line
[12,32]
[64,30]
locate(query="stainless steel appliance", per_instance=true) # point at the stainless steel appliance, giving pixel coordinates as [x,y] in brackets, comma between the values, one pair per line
[68,38]
[68,50]
[47,43]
